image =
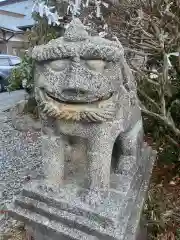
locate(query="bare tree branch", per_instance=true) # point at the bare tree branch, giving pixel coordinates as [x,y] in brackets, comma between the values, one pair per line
[162,119]
[146,77]
[172,141]
[140,53]
[149,99]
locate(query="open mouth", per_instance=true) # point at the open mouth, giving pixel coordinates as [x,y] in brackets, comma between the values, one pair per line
[88,110]
[80,101]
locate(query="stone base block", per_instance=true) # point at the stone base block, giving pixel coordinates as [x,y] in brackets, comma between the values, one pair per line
[61,214]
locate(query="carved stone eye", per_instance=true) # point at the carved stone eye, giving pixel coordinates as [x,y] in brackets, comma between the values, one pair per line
[96,65]
[59,65]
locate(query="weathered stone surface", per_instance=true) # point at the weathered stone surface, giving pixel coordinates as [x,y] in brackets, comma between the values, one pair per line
[84,88]
[87,99]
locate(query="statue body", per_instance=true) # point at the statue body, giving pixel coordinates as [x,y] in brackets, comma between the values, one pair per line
[84,88]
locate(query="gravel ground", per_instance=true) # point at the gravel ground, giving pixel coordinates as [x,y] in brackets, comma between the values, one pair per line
[20,161]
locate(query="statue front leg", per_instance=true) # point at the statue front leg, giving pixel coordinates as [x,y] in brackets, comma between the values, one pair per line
[99,154]
[53,160]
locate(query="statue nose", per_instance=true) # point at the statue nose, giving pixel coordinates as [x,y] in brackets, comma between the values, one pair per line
[74,92]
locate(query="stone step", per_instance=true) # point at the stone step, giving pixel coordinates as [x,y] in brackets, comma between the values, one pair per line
[77,208]
[89,226]
[106,216]
[52,229]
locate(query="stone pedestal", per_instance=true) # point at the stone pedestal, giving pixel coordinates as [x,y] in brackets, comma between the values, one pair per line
[51,215]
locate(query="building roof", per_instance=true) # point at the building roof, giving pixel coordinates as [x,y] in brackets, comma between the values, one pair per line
[22,7]
[14,23]
[7,2]
[6,23]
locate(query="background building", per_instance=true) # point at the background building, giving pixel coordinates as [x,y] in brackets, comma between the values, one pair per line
[15,18]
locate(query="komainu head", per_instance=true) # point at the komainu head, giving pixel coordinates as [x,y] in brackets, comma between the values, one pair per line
[79,77]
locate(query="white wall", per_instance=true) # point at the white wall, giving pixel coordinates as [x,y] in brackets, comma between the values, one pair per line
[13,46]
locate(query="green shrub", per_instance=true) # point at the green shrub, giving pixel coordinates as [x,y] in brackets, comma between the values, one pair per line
[22,74]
